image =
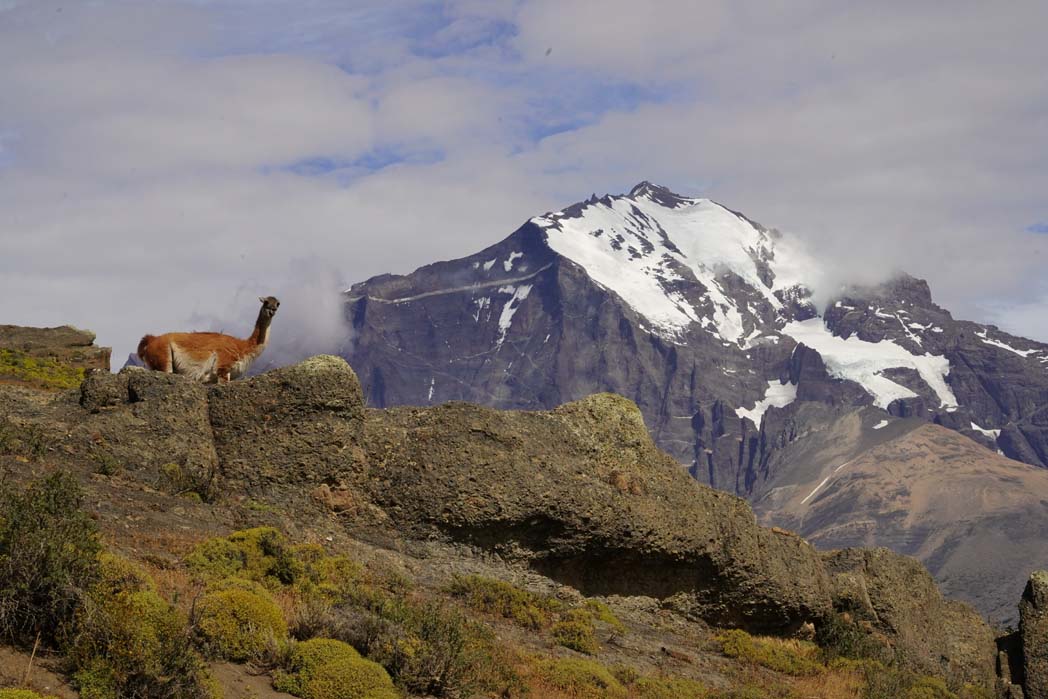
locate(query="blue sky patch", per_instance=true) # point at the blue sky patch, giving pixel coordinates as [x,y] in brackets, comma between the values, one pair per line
[1040,227]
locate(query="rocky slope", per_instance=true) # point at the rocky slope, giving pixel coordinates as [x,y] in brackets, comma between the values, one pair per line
[579,496]
[977,520]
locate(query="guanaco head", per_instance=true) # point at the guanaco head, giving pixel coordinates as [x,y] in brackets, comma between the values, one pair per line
[270,304]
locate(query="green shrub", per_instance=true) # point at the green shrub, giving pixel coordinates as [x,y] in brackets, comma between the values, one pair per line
[929,688]
[260,554]
[787,657]
[602,613]
[841,637]
[884,682]
[575,631]
[239,625]
[39,371]
[127,641]
[360,679]
[48,557]
[502,599]
[624,674]
[668,688]
[323,668]
[434,649]
[582,679]
[19,694]
[25,440]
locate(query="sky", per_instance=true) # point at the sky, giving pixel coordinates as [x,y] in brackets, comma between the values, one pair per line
[165,162]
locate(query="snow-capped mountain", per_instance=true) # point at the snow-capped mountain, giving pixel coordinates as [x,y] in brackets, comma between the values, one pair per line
[704,318]
[701,316]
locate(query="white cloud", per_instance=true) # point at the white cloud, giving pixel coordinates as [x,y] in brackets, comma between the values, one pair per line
[142,145]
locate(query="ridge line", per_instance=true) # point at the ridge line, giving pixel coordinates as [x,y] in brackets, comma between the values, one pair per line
[453,290]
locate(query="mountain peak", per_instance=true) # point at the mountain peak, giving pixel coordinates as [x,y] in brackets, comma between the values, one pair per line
[658,194]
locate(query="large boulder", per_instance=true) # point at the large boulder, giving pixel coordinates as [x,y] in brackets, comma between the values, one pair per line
[899,598]
[585,496]
[147,422]
[290,428]
[1033,627]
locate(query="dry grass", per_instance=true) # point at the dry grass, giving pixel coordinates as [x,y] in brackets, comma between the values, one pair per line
[834,684]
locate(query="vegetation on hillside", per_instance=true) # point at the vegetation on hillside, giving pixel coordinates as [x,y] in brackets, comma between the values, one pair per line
[326,627]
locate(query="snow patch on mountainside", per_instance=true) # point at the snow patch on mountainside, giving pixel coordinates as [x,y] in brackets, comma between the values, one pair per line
[863,362]
[778,395]
[518,294]
[642,250]
[997,343]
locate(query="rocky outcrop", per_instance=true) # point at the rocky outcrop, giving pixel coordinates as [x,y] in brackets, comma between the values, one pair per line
[583,494]
[66,344]
[1033,628]
[291,428]
[49,357]
[150,423]
[579,493]
[900,599]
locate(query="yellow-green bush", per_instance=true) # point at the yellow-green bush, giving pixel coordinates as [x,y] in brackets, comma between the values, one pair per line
[929,688]
[361,679]
[128,641]
[45,372]
[19,694]
[788,657]
[260,554]
[575,631]
[323,668]
[602,613]
[263,555]
[502,599]
[238,624]
[668,688]
[306,657]
[581,679]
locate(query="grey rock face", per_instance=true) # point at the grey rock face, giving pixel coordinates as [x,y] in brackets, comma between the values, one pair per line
[148,422]
[291,428]
[898,596]
[584,495]
[1033,626]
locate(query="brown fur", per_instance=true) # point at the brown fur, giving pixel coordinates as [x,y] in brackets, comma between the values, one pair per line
[197,350]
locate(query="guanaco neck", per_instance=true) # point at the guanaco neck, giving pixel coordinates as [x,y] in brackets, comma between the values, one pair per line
[260,336]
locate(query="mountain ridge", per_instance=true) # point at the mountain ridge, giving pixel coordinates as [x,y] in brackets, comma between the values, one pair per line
[702,318]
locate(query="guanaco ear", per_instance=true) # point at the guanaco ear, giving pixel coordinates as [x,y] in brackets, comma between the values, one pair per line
[261,299]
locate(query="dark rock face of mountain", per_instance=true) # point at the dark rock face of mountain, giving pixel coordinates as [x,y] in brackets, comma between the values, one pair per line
[701,317]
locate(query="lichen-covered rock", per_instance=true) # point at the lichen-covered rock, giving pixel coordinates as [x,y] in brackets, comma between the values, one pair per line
[51,358]
[898,596]
[149,421]
[1033,626]
[292,427]
[583,493]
